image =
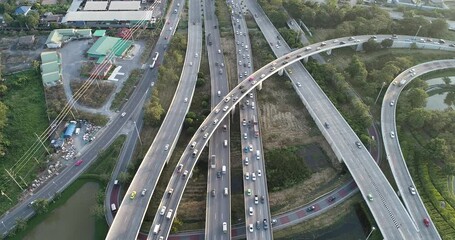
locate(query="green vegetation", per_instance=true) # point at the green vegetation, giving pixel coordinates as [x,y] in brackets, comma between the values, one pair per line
[95,95]
[99,172]
[348,21]
[281,176]
[22,115]
[167,76]
[127,89]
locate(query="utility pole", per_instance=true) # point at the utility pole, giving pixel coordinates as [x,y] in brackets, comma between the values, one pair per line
[14,181]
[4,194]
[137,131]
[383,84]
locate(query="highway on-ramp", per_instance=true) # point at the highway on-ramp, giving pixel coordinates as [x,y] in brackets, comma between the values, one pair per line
[410,196]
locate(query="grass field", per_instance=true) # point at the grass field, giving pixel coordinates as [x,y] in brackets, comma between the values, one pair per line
[26,116]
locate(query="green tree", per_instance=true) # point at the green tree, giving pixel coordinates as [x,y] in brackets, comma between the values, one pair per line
[97,211]
[371,45]
[41,205]
[417,118]
[153,113]
[446,80]
[124,177]
[3,115]
[21,224]
[7,18]
[417,97]
[438,28]
[386,43]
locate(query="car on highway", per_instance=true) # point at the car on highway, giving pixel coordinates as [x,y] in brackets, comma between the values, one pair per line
[215,121]
[166,147]
[392,103]
[79,162]
[246,149]
[250,228]
[196,55]
[331,199]
[246,161]
[185,173]
[217,110]
[170,191]
[247,175]
[244,122]
[218,174]
[392,134]
[253,176]
[225,108]
[143,192]
[258,224]
[310,208]
[298,84]
[123,114]
[250,148]
[179,168]
[133,195]
[262,199]
[358,144]
[213,193]
[266,224]
[256,199]
[259,173]
[245,136]
[251,95]
[370,197]
[185,100]
[163,210]
[248,192]
[412,190]
[251,212]
[426,222]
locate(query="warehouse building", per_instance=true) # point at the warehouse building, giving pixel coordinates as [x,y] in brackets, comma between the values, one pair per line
[51,72]
[106,45]
[59,36]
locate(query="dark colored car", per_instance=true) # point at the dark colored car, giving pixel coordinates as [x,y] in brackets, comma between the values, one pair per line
[311,208]
[331,199]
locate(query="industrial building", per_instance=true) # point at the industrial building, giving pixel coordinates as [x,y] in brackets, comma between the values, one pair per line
[59,36]
[105,45]
[51,72]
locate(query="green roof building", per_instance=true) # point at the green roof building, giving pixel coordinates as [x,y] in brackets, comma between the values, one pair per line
[50,68]
[99,33]
[47,57]
[59,36]
[105,45]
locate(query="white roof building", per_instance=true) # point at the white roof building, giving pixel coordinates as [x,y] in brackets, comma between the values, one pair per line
[107,16]
[95,6]
[125,5]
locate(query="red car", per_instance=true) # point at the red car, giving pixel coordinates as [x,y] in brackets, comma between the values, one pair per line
[79,162]
[426,222]
[250,79]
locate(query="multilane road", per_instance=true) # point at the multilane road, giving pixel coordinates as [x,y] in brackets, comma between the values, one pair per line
[129,217]
[253,162]
[395,157]
[218,204]
[387,209]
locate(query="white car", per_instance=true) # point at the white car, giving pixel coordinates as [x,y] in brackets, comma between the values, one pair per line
[185,100]
[196,55]
[259,173]
[166,147]
[392,102]
[251,212]
[244,122]
[392,134]
[299,85]
[245,136]
[163,210]
[253,176]
[123,114]
[217,110]
[250,228]
[247,176]
[206,135]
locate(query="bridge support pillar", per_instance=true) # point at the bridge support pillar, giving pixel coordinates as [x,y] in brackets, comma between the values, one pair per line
[280,72]
[259,87]
[358,47]
[329,52]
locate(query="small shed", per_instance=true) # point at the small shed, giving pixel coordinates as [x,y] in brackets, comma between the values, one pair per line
[99,33]
[69,130]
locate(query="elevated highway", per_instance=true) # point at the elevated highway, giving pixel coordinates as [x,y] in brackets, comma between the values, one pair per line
[390,214]
[403,178]
[128,220]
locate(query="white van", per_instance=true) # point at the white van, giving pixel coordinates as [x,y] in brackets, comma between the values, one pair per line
[225,143]
[252,105]
[156,229]
[258,154]
[169,214]
[113,207]
[224,227]
[223,169]
[226,191]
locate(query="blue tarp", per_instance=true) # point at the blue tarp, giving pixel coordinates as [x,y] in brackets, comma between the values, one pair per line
[69,130]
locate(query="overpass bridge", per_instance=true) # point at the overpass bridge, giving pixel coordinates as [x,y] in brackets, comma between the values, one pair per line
[390,214]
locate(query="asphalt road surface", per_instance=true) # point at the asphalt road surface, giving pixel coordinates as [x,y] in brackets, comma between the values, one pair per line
[395,157]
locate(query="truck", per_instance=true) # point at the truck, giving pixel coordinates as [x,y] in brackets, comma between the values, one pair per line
[209,39]
[213,161]
[223,169]
[113,207]
[402,82]
[256,130]
[157,54]
[156,229]
[255,122]
[153,64]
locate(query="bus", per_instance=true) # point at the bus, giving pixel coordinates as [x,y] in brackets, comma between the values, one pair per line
[157,54]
